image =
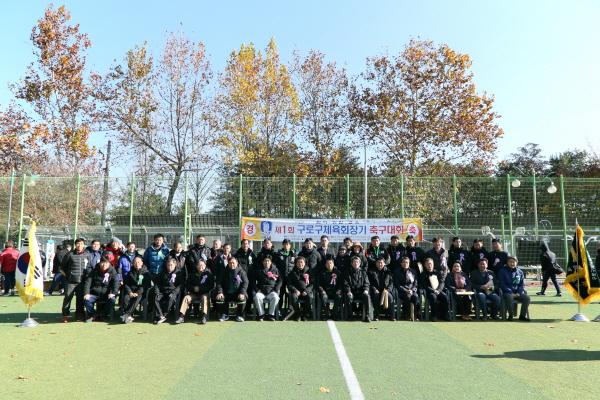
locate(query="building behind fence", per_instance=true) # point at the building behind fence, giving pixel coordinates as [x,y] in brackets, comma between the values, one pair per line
[135,208]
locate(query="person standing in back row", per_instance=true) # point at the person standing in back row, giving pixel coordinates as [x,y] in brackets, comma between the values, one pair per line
[547,260]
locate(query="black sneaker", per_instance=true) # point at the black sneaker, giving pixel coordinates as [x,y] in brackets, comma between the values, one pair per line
[203,319]
[510,318]
[524,318]
[540,294]
[558,295]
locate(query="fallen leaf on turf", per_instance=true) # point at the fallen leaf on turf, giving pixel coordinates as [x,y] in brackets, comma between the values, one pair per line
[325,390]
[141,333]
[198,334]
[374,390]
[54,333]
[65,353]
[32,339]
[71,342]
[35,334]
[393,393]
[298,383]
[372,327]
[490,344]
[24,377]
[14,355]
[574,341]
[550,326]
[128,377]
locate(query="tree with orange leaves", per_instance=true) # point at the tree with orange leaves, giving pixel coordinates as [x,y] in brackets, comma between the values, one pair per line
[56,87]
[420,110]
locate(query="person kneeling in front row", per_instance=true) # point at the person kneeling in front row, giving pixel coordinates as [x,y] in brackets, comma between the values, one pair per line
[101,284]
[136,285]
[166,291]
[199,285]
[512,283]
[232,286]
[266,283]
[356,286]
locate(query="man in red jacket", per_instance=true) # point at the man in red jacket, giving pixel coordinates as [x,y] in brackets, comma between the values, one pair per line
[8,262]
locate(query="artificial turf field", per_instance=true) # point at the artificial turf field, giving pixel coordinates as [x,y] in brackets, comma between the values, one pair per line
[549,358]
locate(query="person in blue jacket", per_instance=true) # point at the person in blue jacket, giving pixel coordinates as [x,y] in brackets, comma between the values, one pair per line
[512,283]
[155,256]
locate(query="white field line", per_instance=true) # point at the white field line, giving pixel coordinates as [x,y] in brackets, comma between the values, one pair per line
[351,381]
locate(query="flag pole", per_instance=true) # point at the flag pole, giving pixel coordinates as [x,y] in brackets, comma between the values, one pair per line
[29,322]
[579,316]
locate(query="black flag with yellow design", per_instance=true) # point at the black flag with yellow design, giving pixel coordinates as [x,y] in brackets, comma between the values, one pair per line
[581,273]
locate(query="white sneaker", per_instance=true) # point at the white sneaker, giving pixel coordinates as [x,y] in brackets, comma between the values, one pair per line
[5,294]
[224,318]
[47,294]
[239,319]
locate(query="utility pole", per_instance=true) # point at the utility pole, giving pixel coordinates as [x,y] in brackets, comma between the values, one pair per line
[105,189]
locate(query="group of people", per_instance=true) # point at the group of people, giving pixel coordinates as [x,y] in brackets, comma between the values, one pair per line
[376,278]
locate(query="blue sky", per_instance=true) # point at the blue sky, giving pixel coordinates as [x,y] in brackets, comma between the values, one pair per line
[538,58]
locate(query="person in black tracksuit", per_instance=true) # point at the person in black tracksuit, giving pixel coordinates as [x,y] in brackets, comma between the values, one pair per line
[328,285]
[300,287]
[245,256]
[266,283]
[342,261]
[439,255]
[136,285]
[232,286]
[435,295]
[324,251]
[199,251]
[478,252]
[356,286]
[497,258]
[166,291]
[375,251]
[199,287]
[311,255]
[100,284]
[406,282]
[415,254]
[266,250]
[75,267]
[285,259]
[547,260]
[59,279]
[457,253]
[382,283]
[396,251]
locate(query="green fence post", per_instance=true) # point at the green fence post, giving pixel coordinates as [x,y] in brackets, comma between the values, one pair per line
[564,219]
[294,197]
[240,208]
[76,209]
[131,206]
[502,224]
[402,196]
[455,206]
[510,221]
[22,207]
[185,213]
[347,196]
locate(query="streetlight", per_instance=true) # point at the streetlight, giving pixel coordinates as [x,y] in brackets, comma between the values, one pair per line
[31,183]
[550,189]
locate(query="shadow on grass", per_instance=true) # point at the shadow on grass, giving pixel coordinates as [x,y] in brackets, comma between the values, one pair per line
[42,318]
[547,355]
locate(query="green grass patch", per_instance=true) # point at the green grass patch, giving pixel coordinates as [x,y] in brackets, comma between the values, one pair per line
[547,358]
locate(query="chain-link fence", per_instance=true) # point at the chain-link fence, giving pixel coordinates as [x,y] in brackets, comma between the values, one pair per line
[520,211]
